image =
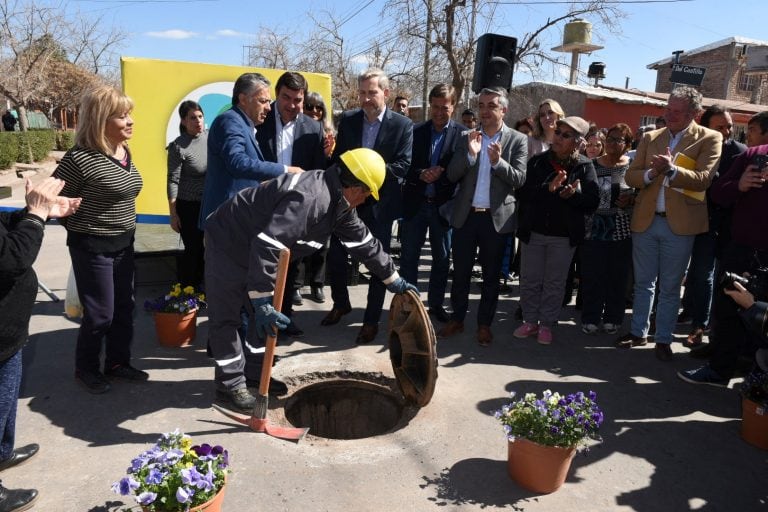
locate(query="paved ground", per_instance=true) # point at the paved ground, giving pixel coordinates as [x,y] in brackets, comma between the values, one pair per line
[667,446]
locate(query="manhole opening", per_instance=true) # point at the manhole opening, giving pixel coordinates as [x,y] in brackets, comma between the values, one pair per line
[345,409]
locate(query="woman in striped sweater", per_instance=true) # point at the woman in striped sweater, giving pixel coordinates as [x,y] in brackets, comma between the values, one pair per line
[100,236]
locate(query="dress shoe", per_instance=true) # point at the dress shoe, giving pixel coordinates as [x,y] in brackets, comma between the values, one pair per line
[293,330]
[451,328]
[276,387]
[663,352]
[695,338]
[20,456]
[16,500]
[440,314]
[484,335]
[334,315]
[317,294]
[296,298]
[629,340]
[239,400]
[367,333]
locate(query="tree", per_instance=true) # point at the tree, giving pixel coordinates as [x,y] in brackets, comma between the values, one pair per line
[34,36]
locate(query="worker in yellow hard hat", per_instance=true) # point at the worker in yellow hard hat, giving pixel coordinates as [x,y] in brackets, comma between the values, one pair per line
[243,239]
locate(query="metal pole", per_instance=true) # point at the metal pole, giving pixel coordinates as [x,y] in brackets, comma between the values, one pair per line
[574,67]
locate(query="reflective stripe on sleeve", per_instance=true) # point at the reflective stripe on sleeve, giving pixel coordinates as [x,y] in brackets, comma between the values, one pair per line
[255,350]
[253,294]
[367,239]
[271,241]
[314,245]
[294,181]
[394,277]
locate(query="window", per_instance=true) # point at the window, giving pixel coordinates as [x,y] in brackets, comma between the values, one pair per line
[746,81]
[646,120]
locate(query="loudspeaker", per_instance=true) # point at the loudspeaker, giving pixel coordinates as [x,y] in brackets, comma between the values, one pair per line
[494,62]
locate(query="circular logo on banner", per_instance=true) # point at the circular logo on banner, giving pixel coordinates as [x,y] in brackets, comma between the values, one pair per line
[214,98]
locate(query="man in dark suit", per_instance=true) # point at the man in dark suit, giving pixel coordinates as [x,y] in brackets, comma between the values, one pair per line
[390,134]
[289,137]
[235,161]
[426,189]
[489,165]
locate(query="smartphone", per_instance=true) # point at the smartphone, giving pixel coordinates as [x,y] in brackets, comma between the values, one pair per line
[759,161]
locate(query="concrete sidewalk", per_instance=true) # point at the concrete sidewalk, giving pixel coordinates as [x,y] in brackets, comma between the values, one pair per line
[667,446]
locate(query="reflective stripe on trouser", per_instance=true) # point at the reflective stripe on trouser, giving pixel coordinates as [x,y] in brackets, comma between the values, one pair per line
[235,359]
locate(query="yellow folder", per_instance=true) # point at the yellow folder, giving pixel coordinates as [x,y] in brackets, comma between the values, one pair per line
[686,162]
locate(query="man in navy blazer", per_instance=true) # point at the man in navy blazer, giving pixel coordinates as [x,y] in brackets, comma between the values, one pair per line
[376,127]
[426,189]
[289,137]
[489,164]
[235,161]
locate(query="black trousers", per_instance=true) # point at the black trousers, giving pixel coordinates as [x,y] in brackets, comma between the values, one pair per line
[105,287]
[477,238]
[605,267]
[192,262]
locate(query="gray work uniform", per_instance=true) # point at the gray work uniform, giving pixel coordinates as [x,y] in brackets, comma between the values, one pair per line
[243,238]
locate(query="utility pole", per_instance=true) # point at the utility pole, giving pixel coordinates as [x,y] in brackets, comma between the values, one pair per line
[427,50]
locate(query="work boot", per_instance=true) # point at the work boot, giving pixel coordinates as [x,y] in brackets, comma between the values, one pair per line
[239,400]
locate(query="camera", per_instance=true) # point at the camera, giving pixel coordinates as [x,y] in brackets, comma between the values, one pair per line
[756,283]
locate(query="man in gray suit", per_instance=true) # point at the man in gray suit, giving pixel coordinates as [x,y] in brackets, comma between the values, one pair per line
[489,165]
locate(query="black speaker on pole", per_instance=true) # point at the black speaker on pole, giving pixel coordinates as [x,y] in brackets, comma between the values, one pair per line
[494,62]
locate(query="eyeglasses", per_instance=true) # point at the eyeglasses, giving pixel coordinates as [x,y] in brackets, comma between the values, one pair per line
[614,140]
[311,108]
[565,135]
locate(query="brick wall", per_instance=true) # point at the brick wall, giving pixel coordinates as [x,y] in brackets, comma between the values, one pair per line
[721,79]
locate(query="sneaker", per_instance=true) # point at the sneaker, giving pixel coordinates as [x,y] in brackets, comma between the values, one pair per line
[526,330]
[93,382]
[545,335]
[126,372]
[629,340]
[703,375]
[589,329]
[240,400]
[610,328]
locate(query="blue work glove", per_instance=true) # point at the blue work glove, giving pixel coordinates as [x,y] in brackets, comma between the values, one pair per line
[400,286]
[265,316]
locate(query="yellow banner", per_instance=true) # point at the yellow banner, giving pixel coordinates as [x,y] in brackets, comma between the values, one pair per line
[157,88]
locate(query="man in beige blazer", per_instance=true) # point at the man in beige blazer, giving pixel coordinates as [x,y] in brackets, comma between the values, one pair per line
[672,169]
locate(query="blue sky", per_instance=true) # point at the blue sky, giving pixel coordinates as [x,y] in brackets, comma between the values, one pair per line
[215,31]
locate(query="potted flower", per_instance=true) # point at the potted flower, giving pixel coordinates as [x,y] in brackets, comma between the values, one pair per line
[754,408]
[544,433]
[175,315]
[177,476]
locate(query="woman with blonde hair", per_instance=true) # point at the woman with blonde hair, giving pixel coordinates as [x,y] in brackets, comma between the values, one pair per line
[100,236]
[545,122]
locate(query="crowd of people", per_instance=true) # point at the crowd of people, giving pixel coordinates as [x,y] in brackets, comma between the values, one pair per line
[629,217]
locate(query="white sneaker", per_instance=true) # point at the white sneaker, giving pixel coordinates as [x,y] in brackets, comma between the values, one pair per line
[589,329]
[610,328]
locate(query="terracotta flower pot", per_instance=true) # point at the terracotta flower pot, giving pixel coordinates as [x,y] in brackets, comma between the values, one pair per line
[212,505]
[176,329]
[754,423]
[536,467]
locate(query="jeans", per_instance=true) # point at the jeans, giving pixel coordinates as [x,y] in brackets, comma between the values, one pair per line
[105,286]
[10,380]
[697,298]
[658,255]
[412,236]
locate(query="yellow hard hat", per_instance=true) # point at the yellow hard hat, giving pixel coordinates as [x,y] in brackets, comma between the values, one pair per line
[367,166]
